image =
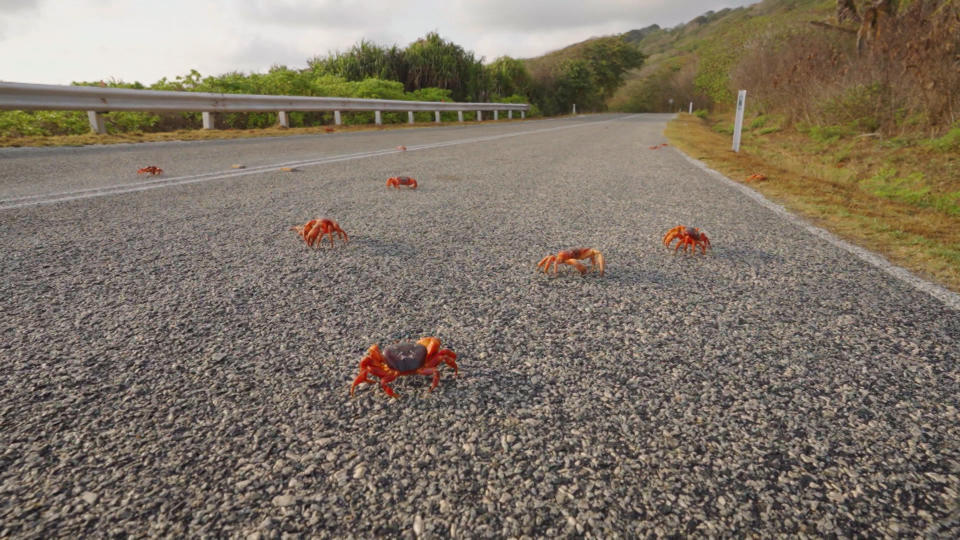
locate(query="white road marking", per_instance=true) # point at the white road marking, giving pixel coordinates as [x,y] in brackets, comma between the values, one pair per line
[948,297]
[156,183]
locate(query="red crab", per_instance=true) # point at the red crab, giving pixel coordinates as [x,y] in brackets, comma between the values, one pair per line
[402,359]
[757,176]
[398,181]
[571,256]
[151,170]
[314,230]
[687,236]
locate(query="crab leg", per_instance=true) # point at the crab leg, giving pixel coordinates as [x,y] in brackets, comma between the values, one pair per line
[450,358]
[361,378]
[428,371]
[575,264]
[384,380]
[598,260]
[312,233]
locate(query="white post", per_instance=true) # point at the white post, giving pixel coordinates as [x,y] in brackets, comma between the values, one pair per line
[510,114]
[523,114]
[479,116]
[207,120]
[496,115]
[460,116]
[691,108]
[97,124]
[336,117]
[574,108]
[377,119]
[282,119]
[436,115]
[409,117]
[738,123]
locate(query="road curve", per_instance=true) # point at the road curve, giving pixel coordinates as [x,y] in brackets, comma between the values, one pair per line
[176,361]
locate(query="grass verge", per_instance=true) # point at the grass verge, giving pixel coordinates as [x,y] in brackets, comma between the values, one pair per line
[899,198]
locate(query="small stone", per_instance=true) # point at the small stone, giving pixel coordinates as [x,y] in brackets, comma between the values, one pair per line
[418,525]
[89,497]
[284,500]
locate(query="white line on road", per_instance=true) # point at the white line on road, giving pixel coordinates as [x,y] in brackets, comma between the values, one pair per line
[156,183]
[948,297]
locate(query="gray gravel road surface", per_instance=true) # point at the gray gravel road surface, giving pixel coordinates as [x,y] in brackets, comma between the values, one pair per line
[175,360]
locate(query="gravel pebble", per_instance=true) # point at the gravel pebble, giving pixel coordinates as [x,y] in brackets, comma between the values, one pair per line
[177,362]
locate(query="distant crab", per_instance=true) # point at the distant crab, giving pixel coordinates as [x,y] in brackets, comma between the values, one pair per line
[314,230]
[571,257]
[756,177]
[403,359]
[152,170]
[687,237]
[398,181]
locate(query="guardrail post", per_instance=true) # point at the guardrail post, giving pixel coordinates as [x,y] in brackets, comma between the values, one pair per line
[496,115]
[460,116]
[377,119]
[409,117]
[574,108]
[282,119]
[436,114]
[510,114]
[479,116]
[336,117]
[97,124]
[207,120]
[523,114]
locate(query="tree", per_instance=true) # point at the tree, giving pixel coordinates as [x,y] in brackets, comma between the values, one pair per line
[609,59]
[508,76]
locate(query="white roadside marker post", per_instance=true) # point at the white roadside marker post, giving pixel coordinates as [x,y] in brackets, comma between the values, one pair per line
[738,123]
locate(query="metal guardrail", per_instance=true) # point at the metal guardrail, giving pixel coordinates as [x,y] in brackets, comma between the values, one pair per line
[96,100]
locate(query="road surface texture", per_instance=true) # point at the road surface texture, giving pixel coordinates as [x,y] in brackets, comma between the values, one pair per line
[176,361]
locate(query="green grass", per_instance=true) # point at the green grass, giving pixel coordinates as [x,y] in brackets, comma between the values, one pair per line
[901,202]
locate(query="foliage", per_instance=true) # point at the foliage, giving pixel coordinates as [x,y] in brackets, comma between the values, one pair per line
[585,74]
[428,69]
[508,76]
[949,142]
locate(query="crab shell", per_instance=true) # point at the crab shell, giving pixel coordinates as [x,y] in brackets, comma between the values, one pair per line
[405,356]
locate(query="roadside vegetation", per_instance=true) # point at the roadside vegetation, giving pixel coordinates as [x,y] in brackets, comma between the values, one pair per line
[429,69]
[852,114]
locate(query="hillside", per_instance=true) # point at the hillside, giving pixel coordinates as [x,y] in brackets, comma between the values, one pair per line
[694,61]
[856,127]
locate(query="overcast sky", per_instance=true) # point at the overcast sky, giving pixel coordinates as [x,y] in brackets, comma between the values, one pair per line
[59,41]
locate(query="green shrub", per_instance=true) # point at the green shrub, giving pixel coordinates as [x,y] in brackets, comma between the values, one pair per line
[828,134]
[723,127]
[947,143]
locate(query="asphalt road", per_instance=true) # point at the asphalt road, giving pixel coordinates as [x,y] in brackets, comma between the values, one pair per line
[176,361]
